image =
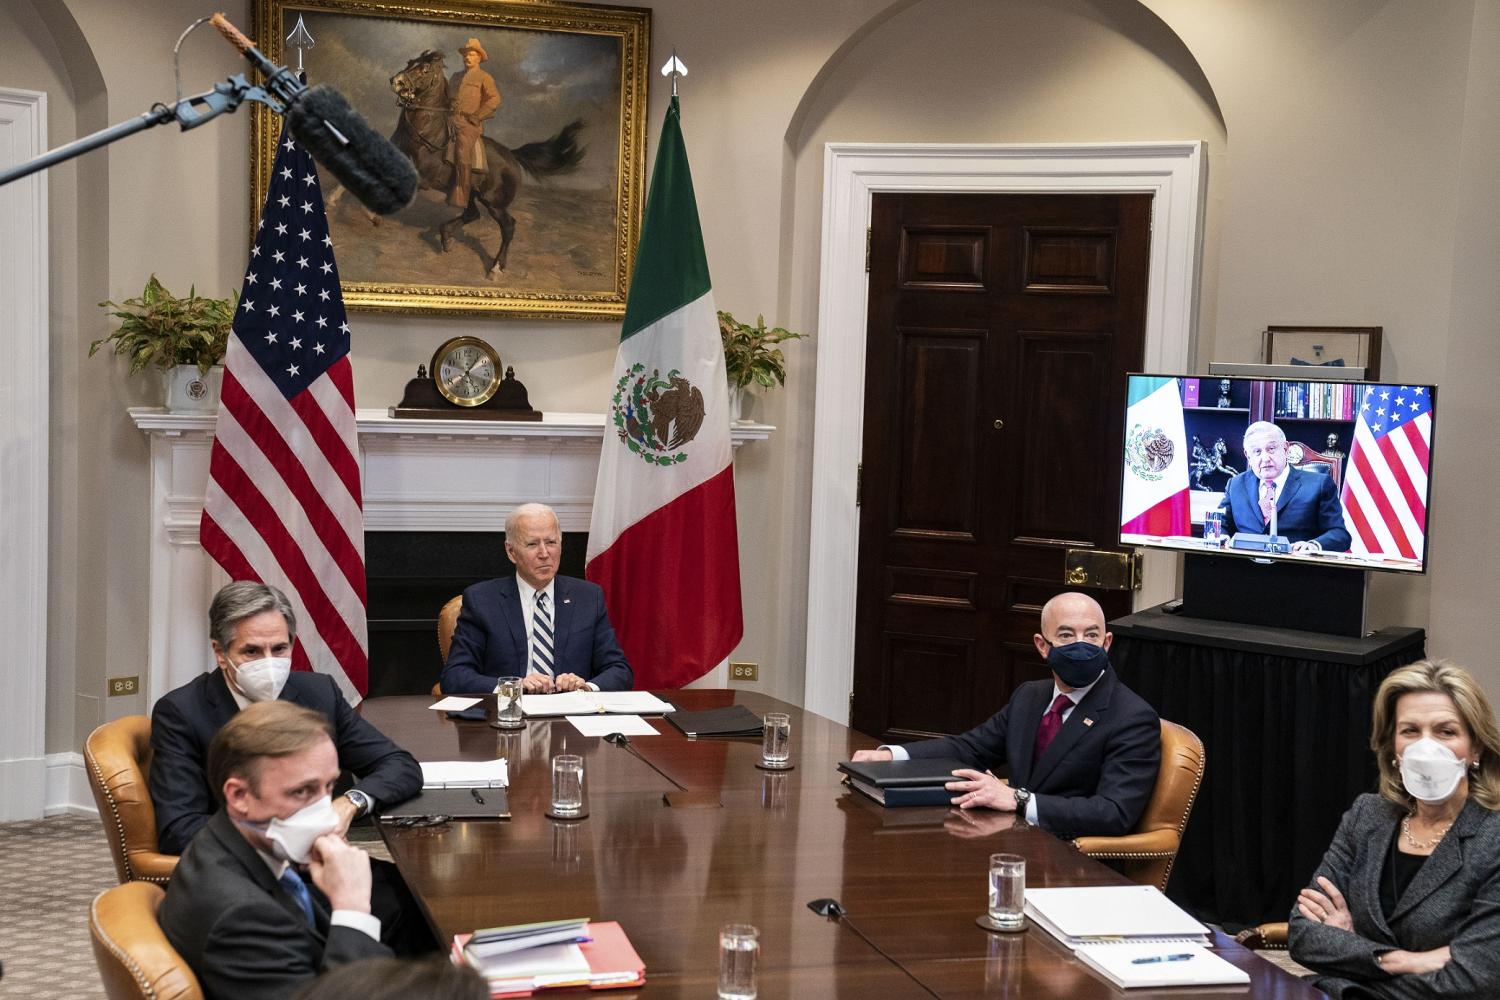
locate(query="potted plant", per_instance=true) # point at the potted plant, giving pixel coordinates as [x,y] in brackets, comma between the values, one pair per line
[751,357]
[184,338]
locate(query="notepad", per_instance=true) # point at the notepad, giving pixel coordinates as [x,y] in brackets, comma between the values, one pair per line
[1118,963]
[1107,914]
[593,703]
[465,773]
[607,961]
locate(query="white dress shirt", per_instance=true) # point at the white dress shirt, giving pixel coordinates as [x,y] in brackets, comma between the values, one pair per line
[528,614]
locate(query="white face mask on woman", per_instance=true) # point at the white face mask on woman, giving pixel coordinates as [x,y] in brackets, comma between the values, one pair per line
[262,680]
[1430,771]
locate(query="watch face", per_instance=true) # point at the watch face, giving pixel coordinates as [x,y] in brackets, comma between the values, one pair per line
[466,371]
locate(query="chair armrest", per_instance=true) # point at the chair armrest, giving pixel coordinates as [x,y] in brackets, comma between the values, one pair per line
[1155,842]
[149,866]
[1273,935]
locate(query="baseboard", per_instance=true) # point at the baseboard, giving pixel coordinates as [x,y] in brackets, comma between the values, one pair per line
[68,786]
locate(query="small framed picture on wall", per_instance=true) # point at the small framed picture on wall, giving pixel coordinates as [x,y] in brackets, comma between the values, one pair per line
[1327,346]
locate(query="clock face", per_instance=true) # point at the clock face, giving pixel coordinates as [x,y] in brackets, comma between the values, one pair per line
[466,371]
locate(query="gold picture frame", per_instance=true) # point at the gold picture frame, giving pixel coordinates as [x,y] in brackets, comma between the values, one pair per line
[575,196]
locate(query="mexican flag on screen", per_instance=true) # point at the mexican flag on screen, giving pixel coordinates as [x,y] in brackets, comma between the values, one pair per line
[1155,496]
[663,543]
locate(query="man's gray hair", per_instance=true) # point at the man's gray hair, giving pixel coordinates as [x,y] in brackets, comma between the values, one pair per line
[1263,427]
[513,522]
[245,599]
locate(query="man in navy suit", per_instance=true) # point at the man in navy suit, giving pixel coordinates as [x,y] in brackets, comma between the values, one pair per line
[1082,748]
[552,631]
[1308,510]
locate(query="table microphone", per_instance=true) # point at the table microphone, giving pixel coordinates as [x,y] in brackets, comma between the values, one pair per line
[621,740]
[831,909]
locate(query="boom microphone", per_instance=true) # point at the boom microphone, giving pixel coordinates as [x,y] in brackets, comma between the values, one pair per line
[363,160]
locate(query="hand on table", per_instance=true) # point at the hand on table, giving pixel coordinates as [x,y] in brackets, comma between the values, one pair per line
[569,682]
[537,684]
[981,790]
[973,825]
[1306,547]
[342,872]
[1326,907]
[860,756]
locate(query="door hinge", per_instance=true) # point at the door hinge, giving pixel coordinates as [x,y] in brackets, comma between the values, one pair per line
[859,484]
[869,240]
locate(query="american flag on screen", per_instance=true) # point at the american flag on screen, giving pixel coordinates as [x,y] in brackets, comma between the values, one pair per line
[283,503]
[1385,487]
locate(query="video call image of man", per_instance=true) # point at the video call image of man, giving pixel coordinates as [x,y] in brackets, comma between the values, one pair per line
[1309,513]
[474,99]
[1083,749]
[552,631]
[238,909]
[252,628]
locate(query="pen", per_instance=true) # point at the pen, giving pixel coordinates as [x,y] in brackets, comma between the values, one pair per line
[1151,959]
[477,797]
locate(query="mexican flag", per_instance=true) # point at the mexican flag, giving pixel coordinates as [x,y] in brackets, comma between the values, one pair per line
[663,543]
[1155,497]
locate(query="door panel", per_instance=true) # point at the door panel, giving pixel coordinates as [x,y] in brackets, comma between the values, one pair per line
[1000,331]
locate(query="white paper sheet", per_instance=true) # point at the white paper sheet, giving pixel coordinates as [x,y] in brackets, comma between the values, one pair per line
[453,703]
[465,773]
[591,702]
[603,725]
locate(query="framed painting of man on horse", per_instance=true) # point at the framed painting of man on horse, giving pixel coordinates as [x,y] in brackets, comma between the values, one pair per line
[526,123]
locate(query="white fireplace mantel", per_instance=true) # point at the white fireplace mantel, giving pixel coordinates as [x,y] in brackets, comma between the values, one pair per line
[416,475]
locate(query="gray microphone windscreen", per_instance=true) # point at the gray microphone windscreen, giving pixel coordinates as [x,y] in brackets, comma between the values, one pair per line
[374,171]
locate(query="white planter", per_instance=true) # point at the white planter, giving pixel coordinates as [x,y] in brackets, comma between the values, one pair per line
[190,391]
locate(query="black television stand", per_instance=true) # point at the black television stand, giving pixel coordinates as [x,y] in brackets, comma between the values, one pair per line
[1281,594]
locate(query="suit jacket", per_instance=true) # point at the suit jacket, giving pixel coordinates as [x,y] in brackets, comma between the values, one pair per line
[1307,509]
[1453,900]
[489,640]
[240,931]
[184,722]
[1097,774]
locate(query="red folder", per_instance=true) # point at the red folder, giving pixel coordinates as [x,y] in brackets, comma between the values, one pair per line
[613,963]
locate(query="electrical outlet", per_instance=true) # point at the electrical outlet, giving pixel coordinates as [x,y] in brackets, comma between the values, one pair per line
[123,686]
[744,671]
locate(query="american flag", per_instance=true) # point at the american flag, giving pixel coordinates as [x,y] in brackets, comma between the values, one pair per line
[283,502]
[1385,487]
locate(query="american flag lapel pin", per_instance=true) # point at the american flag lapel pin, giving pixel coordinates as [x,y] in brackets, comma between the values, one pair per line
[1088,722]
[567,600]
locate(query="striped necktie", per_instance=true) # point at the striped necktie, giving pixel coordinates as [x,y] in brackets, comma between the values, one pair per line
[541,636]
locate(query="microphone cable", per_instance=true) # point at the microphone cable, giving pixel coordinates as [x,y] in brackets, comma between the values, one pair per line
[831,909]
[621,740]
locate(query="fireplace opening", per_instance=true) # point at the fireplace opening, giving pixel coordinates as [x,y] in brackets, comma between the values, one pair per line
[410,575]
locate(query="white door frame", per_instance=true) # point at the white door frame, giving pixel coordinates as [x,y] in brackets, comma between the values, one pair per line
[23,459]
[1174,172]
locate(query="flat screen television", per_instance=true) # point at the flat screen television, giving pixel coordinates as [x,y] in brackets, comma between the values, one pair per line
[1349,465]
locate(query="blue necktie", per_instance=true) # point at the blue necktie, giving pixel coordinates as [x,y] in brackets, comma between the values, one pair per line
[541,636]
[293,884]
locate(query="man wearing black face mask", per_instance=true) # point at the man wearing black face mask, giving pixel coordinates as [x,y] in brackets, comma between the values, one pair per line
[1083,749]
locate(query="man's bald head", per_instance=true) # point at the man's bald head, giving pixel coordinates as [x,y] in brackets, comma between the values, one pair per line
[1071,605]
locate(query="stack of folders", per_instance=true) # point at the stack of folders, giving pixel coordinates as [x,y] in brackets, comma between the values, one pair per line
[724,723]
[518,961]
[1132,935]
[904,782]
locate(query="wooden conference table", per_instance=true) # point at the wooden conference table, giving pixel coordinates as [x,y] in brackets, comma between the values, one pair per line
[912,879]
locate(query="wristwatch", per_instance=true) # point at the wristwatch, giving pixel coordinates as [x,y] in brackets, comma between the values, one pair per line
[1022,798]
[362,802]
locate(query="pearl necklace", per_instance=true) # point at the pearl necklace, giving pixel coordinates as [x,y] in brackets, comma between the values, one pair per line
[1422,845]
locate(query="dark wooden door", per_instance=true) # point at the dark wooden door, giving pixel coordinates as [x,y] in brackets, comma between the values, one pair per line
[1000,331]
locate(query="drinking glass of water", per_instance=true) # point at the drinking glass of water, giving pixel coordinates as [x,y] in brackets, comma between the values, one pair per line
[508,703]
[567,785]
[1007,891]
[739,950]
[776,740]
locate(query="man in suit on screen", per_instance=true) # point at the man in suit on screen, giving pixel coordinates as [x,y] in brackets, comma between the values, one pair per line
[238,910]
[552,631]
[1083,749]
[1308,510]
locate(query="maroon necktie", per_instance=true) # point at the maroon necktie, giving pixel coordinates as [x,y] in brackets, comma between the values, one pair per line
[1050,724]
[1267,499]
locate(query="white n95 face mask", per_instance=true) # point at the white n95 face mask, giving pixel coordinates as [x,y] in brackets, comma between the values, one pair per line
[262,680]
[292,838]
[1430,771]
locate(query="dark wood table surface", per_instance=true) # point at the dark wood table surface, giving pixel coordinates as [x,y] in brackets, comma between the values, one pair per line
[912,879]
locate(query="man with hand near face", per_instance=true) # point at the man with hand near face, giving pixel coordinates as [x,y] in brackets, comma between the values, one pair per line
[238,910]
[252,628]
[1308,510]
[1083,750]
[552,631]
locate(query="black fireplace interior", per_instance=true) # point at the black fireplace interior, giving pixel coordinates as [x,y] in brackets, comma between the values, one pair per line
[410,575]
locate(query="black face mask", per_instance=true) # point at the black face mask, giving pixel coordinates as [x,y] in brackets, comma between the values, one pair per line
[1078,664]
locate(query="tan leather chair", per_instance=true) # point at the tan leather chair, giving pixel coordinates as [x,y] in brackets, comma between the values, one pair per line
[447,622]
[1266,937]
[1147,853]
[118,758]
[135,959]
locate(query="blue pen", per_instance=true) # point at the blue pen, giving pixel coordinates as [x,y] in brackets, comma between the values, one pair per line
[1152,959]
